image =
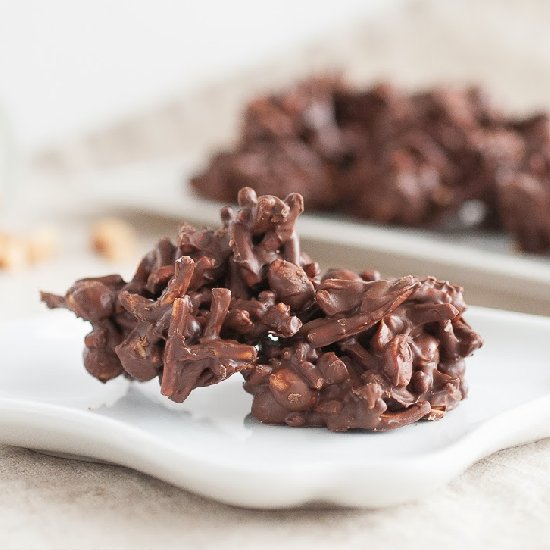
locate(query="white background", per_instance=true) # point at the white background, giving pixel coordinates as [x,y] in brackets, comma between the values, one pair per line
[68,66]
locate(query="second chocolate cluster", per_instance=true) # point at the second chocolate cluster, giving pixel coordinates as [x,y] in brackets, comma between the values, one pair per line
[393,157]
[344,350]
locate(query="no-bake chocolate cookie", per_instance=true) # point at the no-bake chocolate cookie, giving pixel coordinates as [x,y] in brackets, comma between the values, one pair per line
[393,157]
[343,350]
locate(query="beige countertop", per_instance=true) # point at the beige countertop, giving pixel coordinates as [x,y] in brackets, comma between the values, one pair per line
[502,502]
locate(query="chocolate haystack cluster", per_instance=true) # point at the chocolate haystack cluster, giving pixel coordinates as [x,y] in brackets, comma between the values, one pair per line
[394,158]
[344,350]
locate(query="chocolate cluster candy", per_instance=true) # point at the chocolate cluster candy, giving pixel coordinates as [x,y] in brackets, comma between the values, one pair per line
[344,350]
[393,157]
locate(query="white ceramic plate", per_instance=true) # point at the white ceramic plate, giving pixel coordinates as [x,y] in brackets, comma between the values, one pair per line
[211,446]
[484,263]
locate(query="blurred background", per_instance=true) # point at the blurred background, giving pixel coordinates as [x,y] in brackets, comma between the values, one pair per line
[105,105]
[72,67]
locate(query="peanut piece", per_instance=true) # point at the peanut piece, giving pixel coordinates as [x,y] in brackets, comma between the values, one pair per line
[42,244]
[113,239]
[13,253]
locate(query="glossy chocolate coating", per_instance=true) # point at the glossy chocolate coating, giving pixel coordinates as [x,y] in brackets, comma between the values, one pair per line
[393,157]
[403,362]
[344,350]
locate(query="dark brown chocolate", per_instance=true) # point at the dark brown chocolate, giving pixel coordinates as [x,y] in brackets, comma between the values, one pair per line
[395,158]
[401,360]
[344,350]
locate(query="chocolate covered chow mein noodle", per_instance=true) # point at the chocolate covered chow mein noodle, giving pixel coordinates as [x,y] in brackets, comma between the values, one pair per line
[343,350]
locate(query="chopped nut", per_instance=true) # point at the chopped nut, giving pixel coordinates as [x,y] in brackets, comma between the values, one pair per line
[113,238]
[13,253]
[42,244]
[437,413]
